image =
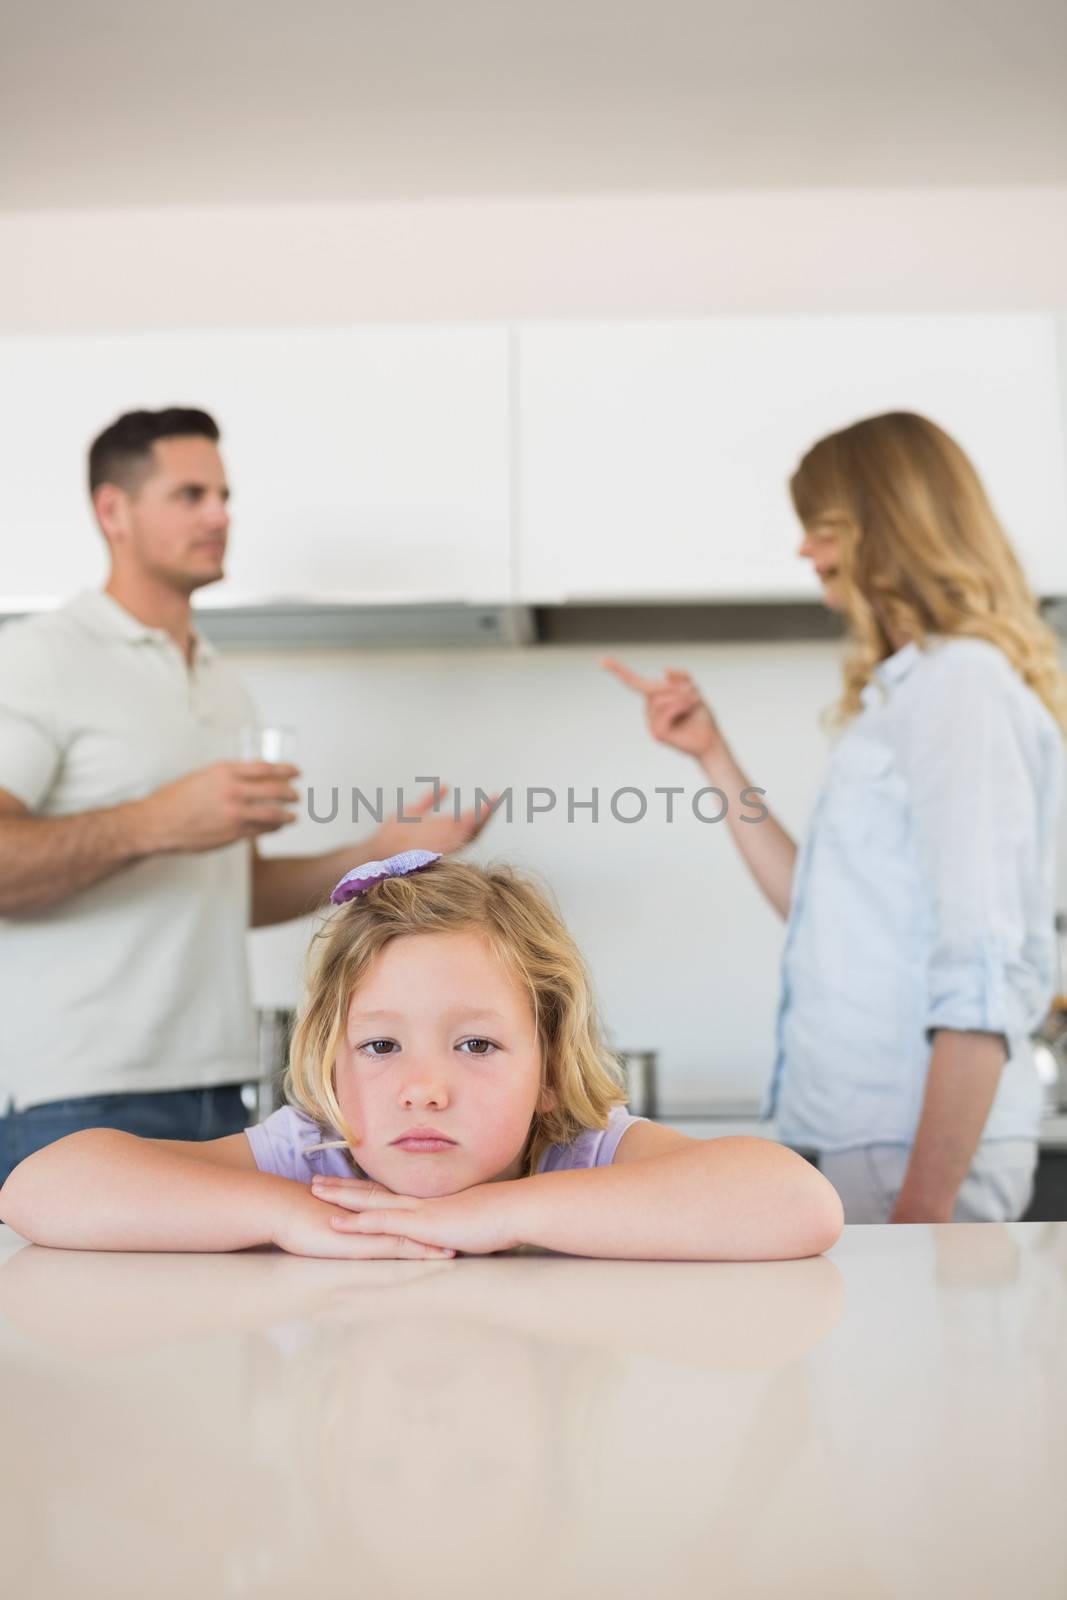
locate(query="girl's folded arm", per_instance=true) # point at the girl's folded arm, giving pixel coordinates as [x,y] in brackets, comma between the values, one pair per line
[727,1199]
[100,1189]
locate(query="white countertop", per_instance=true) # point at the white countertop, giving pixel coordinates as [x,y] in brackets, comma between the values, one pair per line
[1053,1132]
[885,1421]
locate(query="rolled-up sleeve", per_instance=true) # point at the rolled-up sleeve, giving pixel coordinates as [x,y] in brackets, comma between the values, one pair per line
[31,738]
[977,760]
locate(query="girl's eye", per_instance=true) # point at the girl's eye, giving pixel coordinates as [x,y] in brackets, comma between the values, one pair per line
[379,1047]
[479,1047]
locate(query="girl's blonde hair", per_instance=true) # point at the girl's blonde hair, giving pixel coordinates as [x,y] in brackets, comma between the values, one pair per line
[922,551]
[580,1079]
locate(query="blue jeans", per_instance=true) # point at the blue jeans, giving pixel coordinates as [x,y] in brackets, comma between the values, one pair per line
[168,1114]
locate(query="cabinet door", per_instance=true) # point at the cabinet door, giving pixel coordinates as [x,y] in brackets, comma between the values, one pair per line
[370,463]
[655,456]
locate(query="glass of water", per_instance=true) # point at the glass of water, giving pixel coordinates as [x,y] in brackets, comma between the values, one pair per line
[266,744]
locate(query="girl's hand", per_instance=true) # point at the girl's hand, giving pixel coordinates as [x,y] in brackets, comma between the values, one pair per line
[476,1221]
[675,710]
[303,1227]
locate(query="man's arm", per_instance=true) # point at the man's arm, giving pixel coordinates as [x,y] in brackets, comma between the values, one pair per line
[284,887]
[293,886]
[45,859]
[42,860]
[964,1072]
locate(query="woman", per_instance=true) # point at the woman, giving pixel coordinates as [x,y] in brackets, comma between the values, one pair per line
[919,953]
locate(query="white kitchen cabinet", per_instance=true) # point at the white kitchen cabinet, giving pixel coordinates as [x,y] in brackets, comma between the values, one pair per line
[650,458]
[366,463]
[654,456]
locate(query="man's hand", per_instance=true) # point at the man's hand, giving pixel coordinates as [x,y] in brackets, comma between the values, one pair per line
[477,1221]
[216,806]
[292,886]
[439,831]
[303,1226]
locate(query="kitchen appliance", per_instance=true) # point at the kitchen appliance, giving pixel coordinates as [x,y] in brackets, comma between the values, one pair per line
[274,1029]
[639,1075]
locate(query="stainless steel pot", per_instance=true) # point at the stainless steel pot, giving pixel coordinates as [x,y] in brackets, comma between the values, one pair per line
[639,1073]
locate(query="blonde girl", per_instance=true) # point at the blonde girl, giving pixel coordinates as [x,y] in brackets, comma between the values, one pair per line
[448,1092]
[919,951]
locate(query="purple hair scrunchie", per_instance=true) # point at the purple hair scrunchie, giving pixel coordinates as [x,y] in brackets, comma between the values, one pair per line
[360,879]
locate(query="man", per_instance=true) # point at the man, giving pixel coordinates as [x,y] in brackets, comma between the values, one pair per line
[128,866]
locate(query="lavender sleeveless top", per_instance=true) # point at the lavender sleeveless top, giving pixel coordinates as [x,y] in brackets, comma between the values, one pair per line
[280,1146]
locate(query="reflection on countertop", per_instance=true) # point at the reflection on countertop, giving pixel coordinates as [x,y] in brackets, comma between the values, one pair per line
[262,1424]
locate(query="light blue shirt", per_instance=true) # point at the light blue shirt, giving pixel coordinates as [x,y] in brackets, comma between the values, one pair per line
[923,898]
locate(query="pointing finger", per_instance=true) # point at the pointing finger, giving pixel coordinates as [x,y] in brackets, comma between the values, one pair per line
[626,675]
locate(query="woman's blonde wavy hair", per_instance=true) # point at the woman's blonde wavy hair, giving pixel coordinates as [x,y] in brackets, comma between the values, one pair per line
[922,552]
[580,1079]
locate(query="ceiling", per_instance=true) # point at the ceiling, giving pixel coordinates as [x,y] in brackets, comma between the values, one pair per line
[133,102]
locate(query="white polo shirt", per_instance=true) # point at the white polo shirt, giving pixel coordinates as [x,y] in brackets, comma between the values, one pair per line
[140,982]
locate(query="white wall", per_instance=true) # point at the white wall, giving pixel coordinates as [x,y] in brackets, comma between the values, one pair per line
[769,251]
[684,951]
[683,948]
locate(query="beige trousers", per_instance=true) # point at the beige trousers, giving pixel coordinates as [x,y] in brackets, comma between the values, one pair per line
[996,1189]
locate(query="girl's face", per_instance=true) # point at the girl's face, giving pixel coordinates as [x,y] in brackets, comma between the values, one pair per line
[821,545]
[439,1073]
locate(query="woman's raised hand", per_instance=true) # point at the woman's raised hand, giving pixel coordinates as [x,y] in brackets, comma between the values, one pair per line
[674,708]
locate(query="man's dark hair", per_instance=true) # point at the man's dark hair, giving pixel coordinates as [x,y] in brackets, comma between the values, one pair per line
[122,454]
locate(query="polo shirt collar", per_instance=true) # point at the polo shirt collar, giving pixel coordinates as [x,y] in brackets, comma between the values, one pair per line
[101,614]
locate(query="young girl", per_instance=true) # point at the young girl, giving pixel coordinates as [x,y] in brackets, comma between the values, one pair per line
[448,1092]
